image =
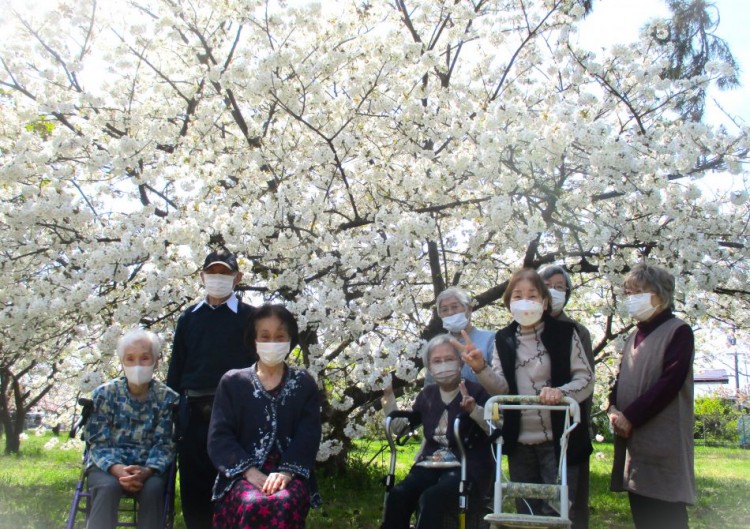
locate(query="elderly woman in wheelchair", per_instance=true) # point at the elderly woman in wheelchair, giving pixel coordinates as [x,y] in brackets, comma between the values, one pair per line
[129,436]
[432,485]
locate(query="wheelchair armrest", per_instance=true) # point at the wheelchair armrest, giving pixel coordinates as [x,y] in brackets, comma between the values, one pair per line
[176,421]
[414,418]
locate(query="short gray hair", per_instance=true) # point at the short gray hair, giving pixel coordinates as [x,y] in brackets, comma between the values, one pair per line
[460,294]
[440,339]
[135,335]
[653,278]
[552,270]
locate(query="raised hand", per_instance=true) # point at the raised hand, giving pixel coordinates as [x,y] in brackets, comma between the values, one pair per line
[468,403]
[469,353]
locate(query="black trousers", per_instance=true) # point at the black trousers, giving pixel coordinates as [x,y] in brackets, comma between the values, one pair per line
[197,475]
[434,491]
[579,511]
[650,513]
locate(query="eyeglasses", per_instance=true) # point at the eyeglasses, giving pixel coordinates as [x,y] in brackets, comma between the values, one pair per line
[438,361]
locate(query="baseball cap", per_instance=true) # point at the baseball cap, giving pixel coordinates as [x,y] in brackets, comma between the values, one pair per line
[222,257]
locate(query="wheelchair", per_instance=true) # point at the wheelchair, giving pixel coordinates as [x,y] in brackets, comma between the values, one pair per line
[555,494]
[80,507]
[463,516]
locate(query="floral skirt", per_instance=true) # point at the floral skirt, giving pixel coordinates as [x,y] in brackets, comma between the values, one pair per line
[245,506]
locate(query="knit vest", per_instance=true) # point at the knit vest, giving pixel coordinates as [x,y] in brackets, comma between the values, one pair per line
[556,338]
[656,461]
[476,442]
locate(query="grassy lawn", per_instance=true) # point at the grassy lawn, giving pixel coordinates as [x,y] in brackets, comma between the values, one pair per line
[36,489]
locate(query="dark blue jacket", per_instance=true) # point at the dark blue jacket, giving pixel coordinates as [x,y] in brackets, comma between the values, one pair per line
[208,342]
[248,422]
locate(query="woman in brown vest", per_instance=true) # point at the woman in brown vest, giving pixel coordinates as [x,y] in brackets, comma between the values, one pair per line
[651,406]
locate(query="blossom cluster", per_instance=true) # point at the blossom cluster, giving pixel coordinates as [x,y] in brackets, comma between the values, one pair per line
[357,159]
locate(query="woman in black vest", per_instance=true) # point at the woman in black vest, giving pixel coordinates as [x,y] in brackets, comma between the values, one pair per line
[536,355]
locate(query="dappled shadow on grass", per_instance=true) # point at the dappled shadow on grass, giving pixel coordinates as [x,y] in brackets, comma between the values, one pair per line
[608,509]
[722,502]
[33,506]
[352,500]
[36,489]
[722,483]
[37,485]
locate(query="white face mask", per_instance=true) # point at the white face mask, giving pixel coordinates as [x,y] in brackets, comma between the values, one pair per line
[526,312]
[455,322]
[138,375]
[558,300]
[639,306]
[218,285]
[272,353]
[445,371]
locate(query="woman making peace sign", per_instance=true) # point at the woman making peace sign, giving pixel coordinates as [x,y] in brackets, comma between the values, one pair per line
[536,355]
[432,483]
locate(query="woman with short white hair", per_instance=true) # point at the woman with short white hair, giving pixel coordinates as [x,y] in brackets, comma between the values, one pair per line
[129,435]
[455,308]
[432,483]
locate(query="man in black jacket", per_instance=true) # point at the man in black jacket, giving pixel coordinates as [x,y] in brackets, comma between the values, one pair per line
[208,342]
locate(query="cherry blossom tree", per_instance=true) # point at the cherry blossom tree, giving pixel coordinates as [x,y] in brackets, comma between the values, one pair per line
[361,157]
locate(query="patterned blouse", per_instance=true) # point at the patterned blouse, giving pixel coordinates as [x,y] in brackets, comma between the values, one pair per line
[533,372]
[125,430]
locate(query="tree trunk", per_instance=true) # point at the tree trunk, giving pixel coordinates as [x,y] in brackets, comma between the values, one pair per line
[12,441]
[11,437]
[12,434]
[336,464]
[13,414]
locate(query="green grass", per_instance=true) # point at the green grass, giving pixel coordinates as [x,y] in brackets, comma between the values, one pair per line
[356,499]
[36,488]
[722,481]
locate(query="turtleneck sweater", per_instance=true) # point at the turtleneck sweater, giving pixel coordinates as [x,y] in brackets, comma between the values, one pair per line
[533,372]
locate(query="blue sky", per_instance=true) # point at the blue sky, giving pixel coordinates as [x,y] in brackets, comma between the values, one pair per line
[618,21]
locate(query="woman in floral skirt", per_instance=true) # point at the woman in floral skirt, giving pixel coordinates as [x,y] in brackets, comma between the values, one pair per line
[265,431]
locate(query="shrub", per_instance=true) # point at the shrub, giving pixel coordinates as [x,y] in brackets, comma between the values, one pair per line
[716,420]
